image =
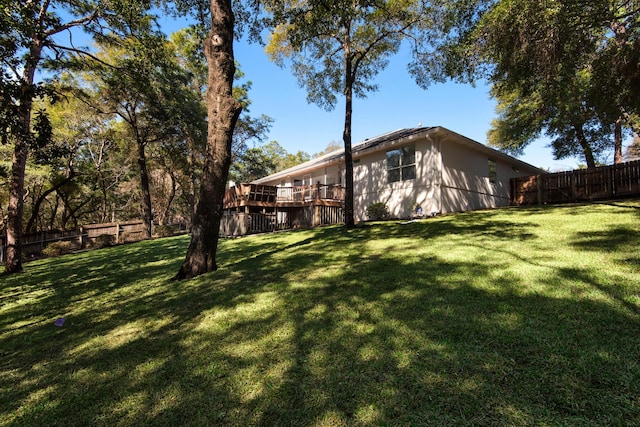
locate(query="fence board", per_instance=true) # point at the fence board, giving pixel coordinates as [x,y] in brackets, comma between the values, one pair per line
[84,237]
[604,182]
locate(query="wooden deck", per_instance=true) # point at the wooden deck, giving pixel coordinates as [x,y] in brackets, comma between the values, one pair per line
[247,195]
[252,208]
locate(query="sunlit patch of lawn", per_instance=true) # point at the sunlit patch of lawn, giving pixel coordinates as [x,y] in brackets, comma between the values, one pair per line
[506,317]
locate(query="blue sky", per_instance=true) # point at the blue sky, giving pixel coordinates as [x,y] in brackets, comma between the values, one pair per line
[399,103]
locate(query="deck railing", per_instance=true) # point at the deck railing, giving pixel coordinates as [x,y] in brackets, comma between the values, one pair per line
[269,193]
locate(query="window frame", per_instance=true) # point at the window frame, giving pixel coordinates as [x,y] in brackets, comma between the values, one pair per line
[492,170]
[403,167]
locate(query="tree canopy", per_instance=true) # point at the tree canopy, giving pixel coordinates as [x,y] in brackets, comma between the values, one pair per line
[26,40]
[338,48]
[569,69]
[138,90]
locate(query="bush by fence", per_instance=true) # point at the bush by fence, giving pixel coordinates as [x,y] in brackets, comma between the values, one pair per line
[605,182]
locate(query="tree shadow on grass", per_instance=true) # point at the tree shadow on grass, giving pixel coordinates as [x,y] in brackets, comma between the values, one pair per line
[116,323]
[487,223]
[436,350]
[49,287]
[616,238]
[317,329]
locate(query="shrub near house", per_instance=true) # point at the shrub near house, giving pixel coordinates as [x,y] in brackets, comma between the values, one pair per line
[377,211]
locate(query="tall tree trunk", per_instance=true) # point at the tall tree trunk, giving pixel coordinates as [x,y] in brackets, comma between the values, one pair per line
[617,142]
[586,148]
[19,162]
[16,203]
[54,212]
[349,220]
[223,112]
[192,180]
[147,212]
[104,206]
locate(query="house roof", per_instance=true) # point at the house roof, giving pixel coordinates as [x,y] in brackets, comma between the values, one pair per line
[384,140]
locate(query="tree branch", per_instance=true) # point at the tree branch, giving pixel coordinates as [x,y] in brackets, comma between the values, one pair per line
[76,22]
[85,53]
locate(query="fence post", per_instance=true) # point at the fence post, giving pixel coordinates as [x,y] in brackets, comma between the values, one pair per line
[539,185]
[80,238]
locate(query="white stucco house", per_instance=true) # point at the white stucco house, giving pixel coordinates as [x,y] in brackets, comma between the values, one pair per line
[434,168]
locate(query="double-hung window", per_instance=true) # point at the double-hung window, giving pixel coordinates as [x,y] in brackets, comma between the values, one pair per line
[493,171]
[401,164]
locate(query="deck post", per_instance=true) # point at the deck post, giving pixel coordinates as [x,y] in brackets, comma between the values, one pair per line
[316,215]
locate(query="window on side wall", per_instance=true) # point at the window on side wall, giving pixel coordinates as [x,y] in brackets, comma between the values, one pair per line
[492,173]
[401,164]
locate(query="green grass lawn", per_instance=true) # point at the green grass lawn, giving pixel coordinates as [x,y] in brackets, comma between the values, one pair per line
[507,317]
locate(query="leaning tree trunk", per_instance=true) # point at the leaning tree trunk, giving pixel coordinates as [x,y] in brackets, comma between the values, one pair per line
[163,220]
[586,148]
[223,112]
[35,211]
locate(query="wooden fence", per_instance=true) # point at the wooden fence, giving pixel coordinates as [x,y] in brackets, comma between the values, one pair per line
[123,232]
[84,237]
[604,182]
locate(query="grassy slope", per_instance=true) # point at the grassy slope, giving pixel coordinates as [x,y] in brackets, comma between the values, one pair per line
[506,317]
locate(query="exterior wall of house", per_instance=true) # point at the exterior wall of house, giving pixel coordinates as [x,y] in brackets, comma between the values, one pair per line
[451,175]
[465,178]
[371,184]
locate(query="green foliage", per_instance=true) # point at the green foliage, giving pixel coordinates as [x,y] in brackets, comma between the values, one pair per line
[58,248]
[30,41]
[253,164]
[574,128]
[331,147]
[377,211]
[164,231]
[264,160]
[336,47]
[561,68]
[633,150]
[104,241]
